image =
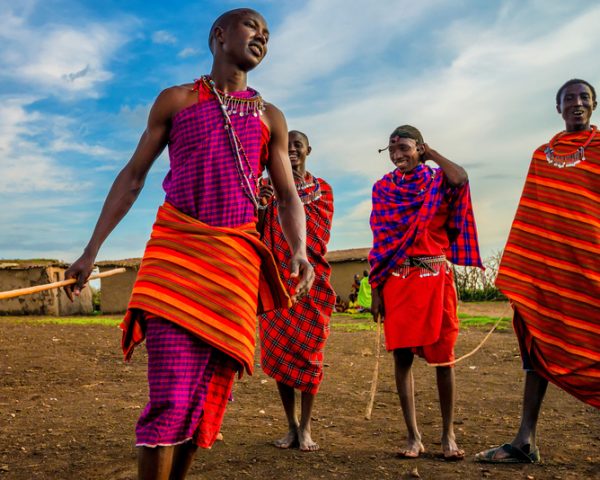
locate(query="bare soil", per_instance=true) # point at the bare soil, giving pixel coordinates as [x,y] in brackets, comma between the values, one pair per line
[68,407]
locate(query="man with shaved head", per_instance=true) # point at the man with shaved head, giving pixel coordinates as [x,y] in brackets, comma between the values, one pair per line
[205,273]
[550,270]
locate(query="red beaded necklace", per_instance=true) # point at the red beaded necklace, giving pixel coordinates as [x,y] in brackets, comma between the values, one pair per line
[571,158]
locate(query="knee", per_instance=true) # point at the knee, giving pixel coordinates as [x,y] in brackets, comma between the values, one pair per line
[445,372]
[403,357]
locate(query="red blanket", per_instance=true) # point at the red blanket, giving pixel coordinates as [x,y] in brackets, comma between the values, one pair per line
[551,273]
[292,340]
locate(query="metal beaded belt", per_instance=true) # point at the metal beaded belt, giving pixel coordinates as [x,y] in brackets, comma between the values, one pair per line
[428,266]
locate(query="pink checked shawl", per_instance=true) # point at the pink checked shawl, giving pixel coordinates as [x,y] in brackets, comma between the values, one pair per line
[203,181]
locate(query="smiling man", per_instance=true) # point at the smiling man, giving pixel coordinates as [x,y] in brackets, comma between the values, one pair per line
[293,339]
[550,270]
[421,218]
[205,269]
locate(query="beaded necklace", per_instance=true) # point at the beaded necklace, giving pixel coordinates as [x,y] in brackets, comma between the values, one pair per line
[309,191]
[254,105]
[568,159]
[248,181]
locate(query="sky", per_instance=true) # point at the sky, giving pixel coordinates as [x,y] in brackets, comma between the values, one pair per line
[77,79]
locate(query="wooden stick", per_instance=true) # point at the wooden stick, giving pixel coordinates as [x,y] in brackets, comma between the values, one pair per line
[369,409]
[50,286]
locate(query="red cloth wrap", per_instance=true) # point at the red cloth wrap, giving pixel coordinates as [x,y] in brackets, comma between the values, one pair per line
[292,340]
[550,269]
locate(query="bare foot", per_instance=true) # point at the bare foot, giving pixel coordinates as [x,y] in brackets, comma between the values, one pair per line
[306,443]
[413,449]
[451,451]
[290,440]
[219,437]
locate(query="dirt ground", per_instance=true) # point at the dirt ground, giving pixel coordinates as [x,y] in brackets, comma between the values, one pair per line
[68,407]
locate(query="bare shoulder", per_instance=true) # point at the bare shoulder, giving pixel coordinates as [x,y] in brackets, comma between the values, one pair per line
[174,99]
[274,118]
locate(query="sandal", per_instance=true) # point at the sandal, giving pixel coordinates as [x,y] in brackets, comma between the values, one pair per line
[515,455]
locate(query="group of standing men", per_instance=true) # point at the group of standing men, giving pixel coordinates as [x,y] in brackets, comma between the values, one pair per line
[208,271]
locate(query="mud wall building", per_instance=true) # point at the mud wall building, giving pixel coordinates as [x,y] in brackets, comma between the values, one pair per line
[16,274]
[116,290]
[344,265]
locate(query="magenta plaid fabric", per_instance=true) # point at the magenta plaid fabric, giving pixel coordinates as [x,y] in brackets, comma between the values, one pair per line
[293,340]
[180,367]
[403,206]
[203,181]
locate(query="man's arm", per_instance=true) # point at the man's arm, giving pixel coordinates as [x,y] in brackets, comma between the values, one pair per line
[455,174]
[291,211]
[126,187]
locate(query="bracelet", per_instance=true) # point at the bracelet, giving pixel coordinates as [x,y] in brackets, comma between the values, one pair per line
[263,207]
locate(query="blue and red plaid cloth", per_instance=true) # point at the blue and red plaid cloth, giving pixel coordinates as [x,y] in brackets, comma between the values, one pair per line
[203,181]
[293,340]
[403,206]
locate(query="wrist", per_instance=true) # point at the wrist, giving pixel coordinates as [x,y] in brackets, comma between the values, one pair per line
[90,252]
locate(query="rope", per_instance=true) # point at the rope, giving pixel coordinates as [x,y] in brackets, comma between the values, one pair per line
[472,352]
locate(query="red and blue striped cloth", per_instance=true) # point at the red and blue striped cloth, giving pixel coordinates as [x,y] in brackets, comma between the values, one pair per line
[403,206]
[203,181]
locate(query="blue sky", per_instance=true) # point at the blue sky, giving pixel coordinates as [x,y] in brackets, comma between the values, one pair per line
[478,78]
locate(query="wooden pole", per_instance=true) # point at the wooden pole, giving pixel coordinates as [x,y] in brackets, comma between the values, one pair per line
[49,286]
[369,409]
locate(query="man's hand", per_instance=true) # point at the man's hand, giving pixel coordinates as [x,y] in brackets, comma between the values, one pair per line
[377,307]
[456,175]
[81,270]
[302,269]
[429,153]
[266,191]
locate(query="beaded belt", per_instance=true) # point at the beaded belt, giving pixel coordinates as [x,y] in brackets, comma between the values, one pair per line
[428,266]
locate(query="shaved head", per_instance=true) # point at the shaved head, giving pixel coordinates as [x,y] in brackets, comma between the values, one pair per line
[302,134]
[225,20]
[573,81]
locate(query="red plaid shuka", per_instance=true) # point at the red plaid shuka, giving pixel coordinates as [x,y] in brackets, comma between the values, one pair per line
[403,206]
[292,340]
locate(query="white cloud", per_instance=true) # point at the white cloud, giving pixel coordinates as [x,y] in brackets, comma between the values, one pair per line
[58,59]
[487,104]
[188,52]
[26,167]
[162,37]
[324,36]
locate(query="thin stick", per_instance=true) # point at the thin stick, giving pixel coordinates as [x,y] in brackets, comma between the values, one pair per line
[369,409]
[472,352]
[50,286]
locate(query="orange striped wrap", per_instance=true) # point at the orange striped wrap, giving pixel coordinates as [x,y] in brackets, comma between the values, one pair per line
[212,281]
[551,273]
